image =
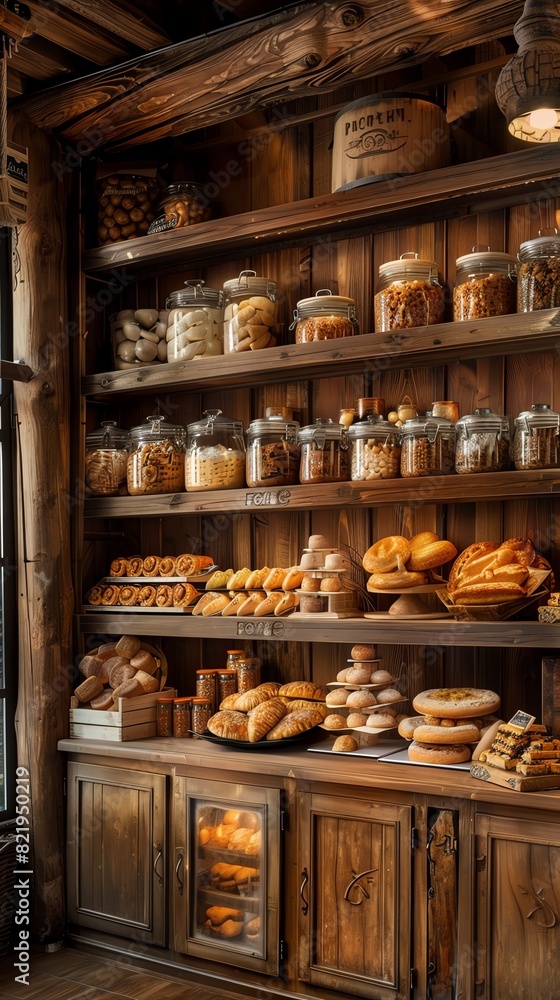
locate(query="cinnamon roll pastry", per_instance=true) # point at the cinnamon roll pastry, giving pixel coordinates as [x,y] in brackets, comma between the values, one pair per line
[118,567]
[168,566]
[147,596]
[128,596]
[95,595]
[188,565]
[151,566]
[183,594]
[110,596]
[134,566]
[164,596]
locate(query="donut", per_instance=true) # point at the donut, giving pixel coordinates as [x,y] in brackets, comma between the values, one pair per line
[361,651]
[428,556]
[407,726]
[151,565]
[447,735]
[435,753]
[456,703]
[386,554]
[346,744]
[397,580]
[335,722]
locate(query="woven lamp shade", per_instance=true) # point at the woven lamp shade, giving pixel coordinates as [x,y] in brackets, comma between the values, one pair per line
[528,87]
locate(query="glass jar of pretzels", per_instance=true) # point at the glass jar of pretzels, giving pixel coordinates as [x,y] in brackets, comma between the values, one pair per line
[215,458]
[106,458]
[156,458]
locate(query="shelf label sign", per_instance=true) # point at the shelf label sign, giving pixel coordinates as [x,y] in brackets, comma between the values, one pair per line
[266,628]
[268,498]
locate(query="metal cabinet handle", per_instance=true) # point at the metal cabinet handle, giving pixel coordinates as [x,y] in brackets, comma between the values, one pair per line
[159,855]
[180,884]
[305,878]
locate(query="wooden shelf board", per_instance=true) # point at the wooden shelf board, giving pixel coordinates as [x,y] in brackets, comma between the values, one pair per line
[368,353]
[495,180]
[441,632]
[437,489]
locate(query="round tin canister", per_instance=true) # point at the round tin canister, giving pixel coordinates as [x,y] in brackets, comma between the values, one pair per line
[386,135]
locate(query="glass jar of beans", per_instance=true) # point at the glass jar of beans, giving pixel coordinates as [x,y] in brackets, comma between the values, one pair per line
[409,293]
[375,451]
[215,458]
[427,447]
[485,284]
[538,273]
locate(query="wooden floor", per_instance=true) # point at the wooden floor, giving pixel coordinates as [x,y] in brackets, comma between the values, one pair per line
[73,975]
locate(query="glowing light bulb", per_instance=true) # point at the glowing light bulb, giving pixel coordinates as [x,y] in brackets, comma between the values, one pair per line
[543,118]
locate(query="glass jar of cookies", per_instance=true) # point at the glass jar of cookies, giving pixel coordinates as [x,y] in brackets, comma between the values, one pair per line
[427,447]
[272,450]
[409,293]
[182,204]
[250,313]
[538,272]
[375,451]
[536,439]
[195,324]
[485,285]
[156,458]
[106,458]
[215,457]
[324,452]
[324,317]
[482,443]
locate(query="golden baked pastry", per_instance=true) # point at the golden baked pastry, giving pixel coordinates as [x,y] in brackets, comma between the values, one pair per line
[235,603]
[257,578]
[385,554]
[134,566]
[229,701]
[168,566]
[274,579]
[295,704]
[240,838]
[248,700]
[292,578]
[118,567]
[345,743]
[264,716]
[397,580]
[216,606]
[286,603]
[239,579]
[88,689]
[294,723]
[188,564]
[147,596]
[164,596]
[183,595]
[268,605]
[217,914]
[429,555]
[230,725]
[303,689]
[219,579]
[204,601]
[252,600]
[151,565]
[95,595]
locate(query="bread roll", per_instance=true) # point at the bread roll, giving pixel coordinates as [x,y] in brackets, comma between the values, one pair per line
[356,719]
[104,701]
[358,674]
[310,583]
[128,646]
[318,542]
[93,666]
[88,689]
[146,681]
[361,699]
[341,675]
[362,651]
[431,554]
[331,584]
[143,660]
[128,689]
[381,677]
[335,721]
[388,695]
[346,744]
[336,698]
[230,725]
[380,720]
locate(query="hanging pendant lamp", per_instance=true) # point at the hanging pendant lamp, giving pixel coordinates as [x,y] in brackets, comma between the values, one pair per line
[528,87]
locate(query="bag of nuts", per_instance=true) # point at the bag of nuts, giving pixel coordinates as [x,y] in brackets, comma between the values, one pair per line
[128,196]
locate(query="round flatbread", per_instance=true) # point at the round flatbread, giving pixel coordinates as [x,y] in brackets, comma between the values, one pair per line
[456,703]
[447,734]
[435,753]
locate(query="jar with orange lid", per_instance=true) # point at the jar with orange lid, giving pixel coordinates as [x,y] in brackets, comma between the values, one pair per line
[248,673]
[182,717]
[227,684]
[206,685]
[164,716]
[232,655]
[201,713]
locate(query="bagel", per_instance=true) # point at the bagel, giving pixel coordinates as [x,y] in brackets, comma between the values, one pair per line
[421,539]
[398,580]
[447,735]
[435,753]
[430,555]
[385,554]
[408,726]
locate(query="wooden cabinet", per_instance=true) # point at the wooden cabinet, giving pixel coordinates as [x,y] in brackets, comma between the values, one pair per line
[355,895]
[117,853]
[517,946]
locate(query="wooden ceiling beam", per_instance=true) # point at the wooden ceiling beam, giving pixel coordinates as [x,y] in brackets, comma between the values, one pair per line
[309,49]
[68,31]
[121,19]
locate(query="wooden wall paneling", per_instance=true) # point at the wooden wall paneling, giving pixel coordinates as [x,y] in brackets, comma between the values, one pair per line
[525,221]
[521,682]
[551,694]
[529,379]
[279,165]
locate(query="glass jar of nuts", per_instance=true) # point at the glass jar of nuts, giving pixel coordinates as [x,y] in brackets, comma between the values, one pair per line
[106,457]
[427,447]
[536,439]
[272,450]
[408,294]
[182,204]
[215,458]
[324,452]
[538,273]
[482,443]
[250,313]
[195,325]
[485,285]
[156,458]
[375,451]
[324,317]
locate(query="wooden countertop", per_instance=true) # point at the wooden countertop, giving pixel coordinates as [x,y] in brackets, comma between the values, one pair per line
[362,772]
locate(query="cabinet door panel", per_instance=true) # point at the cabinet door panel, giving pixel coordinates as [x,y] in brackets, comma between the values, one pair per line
[116,851]
[518,909]
[356,860]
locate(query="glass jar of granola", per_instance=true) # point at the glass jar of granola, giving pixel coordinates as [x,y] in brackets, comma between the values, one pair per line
[485,285]
[482,443]
[201,712]
[324,452]
[375,451]
[536,439]
[272,451]
[409,293]
[427,447]
[250,313]
[215,458]
[156,458]
[324,317]
[106,457]
[538,273]
[182,722]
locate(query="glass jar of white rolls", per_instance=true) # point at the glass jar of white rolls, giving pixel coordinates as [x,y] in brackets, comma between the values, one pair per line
[250,313]
[195,326]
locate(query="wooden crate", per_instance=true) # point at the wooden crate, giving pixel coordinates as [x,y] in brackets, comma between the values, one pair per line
[134,719]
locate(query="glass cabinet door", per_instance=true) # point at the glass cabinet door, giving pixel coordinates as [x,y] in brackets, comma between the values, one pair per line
[227,873]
